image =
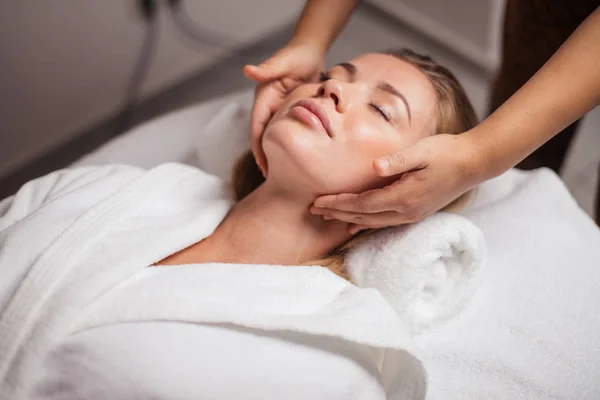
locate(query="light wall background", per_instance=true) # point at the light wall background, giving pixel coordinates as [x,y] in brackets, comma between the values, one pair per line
[65,65]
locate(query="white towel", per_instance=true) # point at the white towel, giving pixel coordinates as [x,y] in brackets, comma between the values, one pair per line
[427,271]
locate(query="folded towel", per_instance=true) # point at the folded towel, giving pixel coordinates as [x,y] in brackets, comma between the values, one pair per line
[427,271]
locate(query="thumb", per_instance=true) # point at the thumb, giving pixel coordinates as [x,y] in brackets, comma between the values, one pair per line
[407,159]
[271,69]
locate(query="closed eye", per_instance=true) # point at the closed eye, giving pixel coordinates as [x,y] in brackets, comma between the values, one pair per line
[383,112]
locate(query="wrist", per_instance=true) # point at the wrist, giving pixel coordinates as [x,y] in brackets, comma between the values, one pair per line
[317,46]
[479,158]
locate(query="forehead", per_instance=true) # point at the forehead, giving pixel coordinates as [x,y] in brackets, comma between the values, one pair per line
[389,68]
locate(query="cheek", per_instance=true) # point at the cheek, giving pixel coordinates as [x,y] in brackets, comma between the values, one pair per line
[354,157]
[296,154]
[368,140]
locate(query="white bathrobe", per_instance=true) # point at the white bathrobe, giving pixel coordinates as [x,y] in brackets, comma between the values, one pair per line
[81,315]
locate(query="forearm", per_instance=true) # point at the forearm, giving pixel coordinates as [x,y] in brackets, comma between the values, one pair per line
[321,21]
[563,90]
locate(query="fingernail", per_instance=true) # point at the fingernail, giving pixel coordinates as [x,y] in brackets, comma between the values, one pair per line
[353,230]
[319,204]
[315,210]
[382,164]
[327,217]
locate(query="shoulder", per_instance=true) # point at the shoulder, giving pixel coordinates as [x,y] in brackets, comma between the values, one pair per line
[192,181]
[70,179]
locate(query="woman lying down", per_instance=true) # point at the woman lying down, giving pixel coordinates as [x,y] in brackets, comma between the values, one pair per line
[120,283]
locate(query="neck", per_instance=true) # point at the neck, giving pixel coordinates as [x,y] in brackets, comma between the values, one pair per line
[271,226]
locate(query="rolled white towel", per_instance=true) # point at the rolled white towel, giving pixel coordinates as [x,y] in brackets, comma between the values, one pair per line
[427,271]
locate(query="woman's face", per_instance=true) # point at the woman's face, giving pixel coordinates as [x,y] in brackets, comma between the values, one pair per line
[326,135]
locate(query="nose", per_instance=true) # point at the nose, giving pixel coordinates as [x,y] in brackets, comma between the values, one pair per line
[332,89]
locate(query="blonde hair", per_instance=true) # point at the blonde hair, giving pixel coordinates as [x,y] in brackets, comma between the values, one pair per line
[455,115]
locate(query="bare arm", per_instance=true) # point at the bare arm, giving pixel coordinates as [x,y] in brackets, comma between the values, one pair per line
[321,21]
[435,170]
[563,90]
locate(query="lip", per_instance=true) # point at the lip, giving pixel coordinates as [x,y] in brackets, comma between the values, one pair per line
[318,111]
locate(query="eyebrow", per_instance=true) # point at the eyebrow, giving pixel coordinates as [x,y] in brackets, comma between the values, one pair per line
[351,68]
[386,87]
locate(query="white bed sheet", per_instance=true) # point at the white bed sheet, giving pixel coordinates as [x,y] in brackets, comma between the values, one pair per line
[172,137]
[530,332]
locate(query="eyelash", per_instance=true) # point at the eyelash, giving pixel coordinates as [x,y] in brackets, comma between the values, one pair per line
[324,76]
[383,112]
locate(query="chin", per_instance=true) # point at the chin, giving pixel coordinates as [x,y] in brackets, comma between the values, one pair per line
[295,142]
[291,167]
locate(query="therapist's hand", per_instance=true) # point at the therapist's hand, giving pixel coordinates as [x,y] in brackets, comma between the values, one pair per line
[432,172]
[287,69]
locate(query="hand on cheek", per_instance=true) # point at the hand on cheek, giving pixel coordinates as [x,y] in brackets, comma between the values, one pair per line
[429,175]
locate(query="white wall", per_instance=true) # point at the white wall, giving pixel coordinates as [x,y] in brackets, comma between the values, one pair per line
[471,28]
[64,65]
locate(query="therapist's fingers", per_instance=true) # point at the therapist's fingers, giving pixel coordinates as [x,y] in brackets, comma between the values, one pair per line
[410,158]
[259,157]
[260,73]
[266,101]
[375,220]
[274,68]
[299,62]
[353,229]
[371,201]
